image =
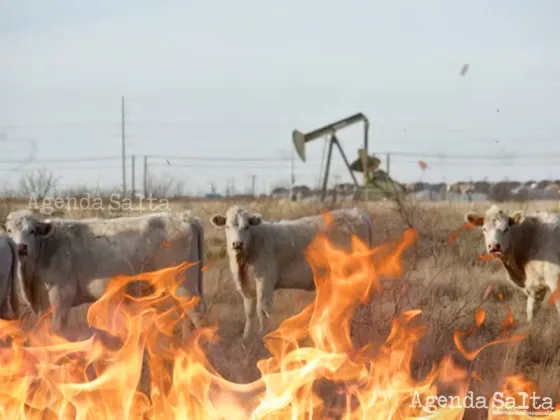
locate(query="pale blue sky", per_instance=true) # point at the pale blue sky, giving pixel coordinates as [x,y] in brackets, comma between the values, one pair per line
[235,78]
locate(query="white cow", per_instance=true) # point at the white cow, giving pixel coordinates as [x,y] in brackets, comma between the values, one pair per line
[64,263]
[264,256]
[8,275]
[528,247]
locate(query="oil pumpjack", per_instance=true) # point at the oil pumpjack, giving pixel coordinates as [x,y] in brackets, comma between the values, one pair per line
[364,163]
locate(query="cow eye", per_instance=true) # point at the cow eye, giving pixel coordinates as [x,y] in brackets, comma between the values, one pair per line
[246,227]
[32,231]
[484,229]
[9,230]
[506,229]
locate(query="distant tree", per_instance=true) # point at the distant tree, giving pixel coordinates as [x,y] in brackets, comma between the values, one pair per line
[165,186]
[39,183]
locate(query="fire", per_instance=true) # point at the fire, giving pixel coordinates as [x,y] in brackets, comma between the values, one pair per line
[479,316]
[134,367]
[555,295]
[456,233]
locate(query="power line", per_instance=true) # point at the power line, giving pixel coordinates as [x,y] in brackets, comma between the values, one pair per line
[439,156]
[157,165]
[201,162]
[60,160]
[68,163]
[205,165]
[212,123]
[473,164]
[473,160]
[220,158]
[485,156]
[59,124]
[70,168]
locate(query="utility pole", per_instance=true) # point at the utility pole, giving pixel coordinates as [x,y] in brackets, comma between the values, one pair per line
[388,163]
[123,146]
[145,176]
[293,177]
[253,180]
[132,176]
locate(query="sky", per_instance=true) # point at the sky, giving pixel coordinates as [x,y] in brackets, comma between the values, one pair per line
[205,82]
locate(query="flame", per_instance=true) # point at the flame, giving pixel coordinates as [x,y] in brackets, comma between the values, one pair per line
[486,257]
[479,317]
[514,395]
[455,234]
[134,367]
[555,295]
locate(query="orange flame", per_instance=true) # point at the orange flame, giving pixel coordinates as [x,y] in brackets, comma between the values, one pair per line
[514,392]
[455,234]
[479,317]
[555,295]
[46,376]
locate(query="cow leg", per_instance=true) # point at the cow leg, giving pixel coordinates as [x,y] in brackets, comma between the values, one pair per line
[4,309]
[187,326]
[194,318]
[189,289]
[534,302]
[249,305]
[61,300]
[188,321]
[532,308]
[265,290]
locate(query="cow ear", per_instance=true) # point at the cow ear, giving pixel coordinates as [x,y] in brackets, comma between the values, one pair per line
[474,219]
[516,218]
[43,228]
[218,220]
[255,219]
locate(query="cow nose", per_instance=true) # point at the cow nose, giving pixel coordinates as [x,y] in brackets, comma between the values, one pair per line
[494,248]
[21,249]
[237,245]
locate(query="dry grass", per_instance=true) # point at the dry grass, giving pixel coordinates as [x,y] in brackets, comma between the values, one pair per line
[447,282]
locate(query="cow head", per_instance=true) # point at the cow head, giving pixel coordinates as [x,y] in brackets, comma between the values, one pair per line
[237,223]
[496,226]
[26,229]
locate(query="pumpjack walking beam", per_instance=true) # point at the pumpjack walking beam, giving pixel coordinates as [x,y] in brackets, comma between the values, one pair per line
[300,140]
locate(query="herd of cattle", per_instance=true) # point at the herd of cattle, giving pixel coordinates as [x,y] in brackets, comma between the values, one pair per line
[60,263]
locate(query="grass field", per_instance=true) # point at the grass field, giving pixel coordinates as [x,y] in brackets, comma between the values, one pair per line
[446,281]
